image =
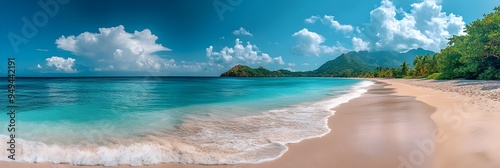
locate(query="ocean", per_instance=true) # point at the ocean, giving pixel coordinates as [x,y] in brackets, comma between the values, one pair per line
[149,120]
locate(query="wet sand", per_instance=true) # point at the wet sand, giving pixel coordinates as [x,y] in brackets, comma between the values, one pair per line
[395,125]
[371,131]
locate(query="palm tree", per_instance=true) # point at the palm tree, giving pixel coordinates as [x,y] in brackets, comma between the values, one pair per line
[426,64]
[417,63]
[378,72]
[404,68]
[435,63]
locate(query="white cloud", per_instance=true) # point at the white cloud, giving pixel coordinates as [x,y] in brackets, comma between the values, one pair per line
[42,49]
[242,31]
[333,50]
[289,69]
[359,45]
[312,19]
[38,66]
[279,60]
[425,26]
[240,54]
[61,64]
[306,64]
[291,64]
[108,68]
[114,47]
[330,21]
[310,44]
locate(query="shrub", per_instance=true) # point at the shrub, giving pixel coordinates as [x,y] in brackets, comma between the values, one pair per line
[423,77]
[489,74]
[435,76]
[446,76]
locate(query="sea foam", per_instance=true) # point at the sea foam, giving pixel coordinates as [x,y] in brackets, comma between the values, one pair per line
[199,140]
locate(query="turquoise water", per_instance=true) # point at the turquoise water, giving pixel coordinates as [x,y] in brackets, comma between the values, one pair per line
[189,120]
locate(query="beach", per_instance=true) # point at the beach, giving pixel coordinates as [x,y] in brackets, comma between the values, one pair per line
[397,123]
[467,119]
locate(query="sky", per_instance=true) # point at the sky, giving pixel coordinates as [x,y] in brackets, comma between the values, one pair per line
[208,37]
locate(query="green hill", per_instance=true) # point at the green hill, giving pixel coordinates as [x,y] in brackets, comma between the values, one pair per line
[344,65]
[245,71]
[352,62]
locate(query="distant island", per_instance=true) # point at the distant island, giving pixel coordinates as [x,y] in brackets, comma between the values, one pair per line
[475,55]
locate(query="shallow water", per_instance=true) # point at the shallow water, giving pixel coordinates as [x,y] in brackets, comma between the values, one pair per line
[140,121]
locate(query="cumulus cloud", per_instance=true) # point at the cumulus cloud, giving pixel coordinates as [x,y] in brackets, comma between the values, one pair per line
[115,49]
[425,26]
[279,60]
[60,64]
[240,54]
[242,31]
[38,66]
[310,44]
[359,45]
[330,21]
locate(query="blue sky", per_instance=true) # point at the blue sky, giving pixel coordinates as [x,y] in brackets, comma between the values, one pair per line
[200,38]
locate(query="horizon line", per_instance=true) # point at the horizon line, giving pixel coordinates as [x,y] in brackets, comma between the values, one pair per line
[114,76]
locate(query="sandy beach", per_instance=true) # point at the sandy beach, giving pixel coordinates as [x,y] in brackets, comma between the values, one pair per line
[467,119]
[397,123]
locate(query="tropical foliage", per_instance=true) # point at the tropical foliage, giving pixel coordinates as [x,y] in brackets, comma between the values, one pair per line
[475,55]
[245,71]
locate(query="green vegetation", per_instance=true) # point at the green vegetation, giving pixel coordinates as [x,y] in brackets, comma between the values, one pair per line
[245,71]
[358,64]
[435,76]
[475,55]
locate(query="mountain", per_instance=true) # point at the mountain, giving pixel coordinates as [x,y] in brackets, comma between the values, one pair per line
[344,65]
[350,62]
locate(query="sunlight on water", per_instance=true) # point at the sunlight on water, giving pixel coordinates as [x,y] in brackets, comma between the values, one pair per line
[188,120]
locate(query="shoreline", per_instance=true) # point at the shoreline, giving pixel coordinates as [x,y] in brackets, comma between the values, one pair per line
[318,122]
[330,149]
